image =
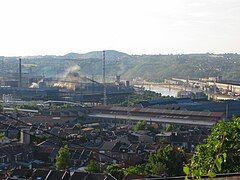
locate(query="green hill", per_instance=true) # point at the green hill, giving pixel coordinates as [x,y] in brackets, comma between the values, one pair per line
[149,67]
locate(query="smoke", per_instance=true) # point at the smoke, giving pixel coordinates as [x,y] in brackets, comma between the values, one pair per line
[71,74]
[65,85]
[34,85]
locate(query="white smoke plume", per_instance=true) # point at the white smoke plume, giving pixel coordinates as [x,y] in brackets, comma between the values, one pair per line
[34,85]
[71,71]
[70,74]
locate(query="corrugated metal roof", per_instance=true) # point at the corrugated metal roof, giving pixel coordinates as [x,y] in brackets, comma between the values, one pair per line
[161,111]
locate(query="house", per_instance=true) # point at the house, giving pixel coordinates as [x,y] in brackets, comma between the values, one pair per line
[47,174]
[15,154]
[163,137]
[79,175]
[61,175]
[46,151]
[91,176]
[137,148]
[116,151]
[21,173]
[141,137]
[188,140]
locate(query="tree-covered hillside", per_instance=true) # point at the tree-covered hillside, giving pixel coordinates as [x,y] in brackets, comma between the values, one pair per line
[149,67]
[200,65]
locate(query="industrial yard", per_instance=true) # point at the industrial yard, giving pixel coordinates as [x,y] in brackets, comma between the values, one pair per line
[70,86]
[119,90]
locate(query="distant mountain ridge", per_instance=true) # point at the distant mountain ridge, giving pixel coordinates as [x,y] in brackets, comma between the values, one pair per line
[149,67]
[110,54]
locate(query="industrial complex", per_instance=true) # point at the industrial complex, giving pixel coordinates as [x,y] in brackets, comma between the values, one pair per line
[104,122]
[69,87]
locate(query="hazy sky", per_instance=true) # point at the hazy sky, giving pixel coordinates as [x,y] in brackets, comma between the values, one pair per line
[34,27]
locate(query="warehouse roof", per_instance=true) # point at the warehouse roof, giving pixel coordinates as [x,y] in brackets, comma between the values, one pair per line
[160,111]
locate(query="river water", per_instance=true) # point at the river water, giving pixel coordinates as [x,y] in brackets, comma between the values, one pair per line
[164,91]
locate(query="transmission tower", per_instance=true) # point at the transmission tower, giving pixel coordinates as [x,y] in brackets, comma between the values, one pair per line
[20,73]
[104,80]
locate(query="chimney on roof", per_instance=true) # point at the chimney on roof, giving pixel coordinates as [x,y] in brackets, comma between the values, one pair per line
[25,136]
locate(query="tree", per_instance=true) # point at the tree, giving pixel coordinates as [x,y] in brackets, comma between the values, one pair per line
[169,128]
[220,153]
[93,167]
[2,136]
[116,171]
[78,126]
[137,98]
[137,169]
[63,158]
[66,106]
[141,125]
[83,139]
[162,140]
[167,160]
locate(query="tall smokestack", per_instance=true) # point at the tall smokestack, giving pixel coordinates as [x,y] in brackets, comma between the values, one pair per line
[20,73]
[104,80]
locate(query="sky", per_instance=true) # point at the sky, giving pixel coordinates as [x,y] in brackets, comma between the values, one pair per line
[47,27]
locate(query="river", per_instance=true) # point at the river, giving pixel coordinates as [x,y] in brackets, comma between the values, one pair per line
[164,91]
